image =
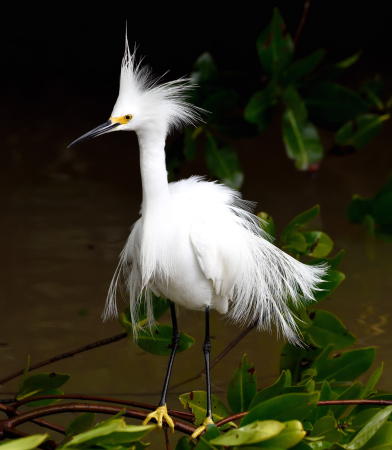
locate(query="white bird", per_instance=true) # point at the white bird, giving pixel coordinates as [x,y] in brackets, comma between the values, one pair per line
[197,242]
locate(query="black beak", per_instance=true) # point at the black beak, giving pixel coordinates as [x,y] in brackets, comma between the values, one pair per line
[100,129]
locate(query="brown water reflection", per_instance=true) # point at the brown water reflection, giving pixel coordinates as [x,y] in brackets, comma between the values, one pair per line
[66,215]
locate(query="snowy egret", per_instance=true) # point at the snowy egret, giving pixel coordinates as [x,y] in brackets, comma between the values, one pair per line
[196,243]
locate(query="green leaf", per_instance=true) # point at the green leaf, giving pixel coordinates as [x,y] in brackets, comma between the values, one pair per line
[372,382]
[372,89]
[295,242]
[333,262]
[349,61]
[294,101]
[242,387]
[297,359]
[196,402]
[370,429]
[319,244]
[37,403]
[353,391]
[382,208]
[184,444]
[359,208]
[35,384]
[331,281]
[283,407]
[257,431]
[159,305]
[333,104]
[81,423]
[258,109]
[291,435]
[345,366]
[24,443]
[327,329]
[274,390]
[302,141]
[382,439]
[205,440]
[159,340]
[302,67]
[267,223]
[300,221]
[110,432]
[327,428]
[360,131]
[205,69]
[275,45]
[223,163]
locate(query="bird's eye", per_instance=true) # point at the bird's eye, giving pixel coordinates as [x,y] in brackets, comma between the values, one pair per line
[128,117]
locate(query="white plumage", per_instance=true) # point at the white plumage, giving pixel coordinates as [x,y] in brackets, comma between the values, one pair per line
[196,242]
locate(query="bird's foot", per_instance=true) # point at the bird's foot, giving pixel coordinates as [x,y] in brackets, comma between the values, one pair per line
[200,430]
[160,415]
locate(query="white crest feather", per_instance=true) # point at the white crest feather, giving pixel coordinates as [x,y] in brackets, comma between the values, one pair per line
[142,95]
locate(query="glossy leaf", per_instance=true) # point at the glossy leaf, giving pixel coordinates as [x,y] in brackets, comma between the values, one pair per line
[159,340]
[258,109]
[205,440]
[253,433]
[160,306]
[80,424]
[361,130]
[327,329]
[109,433]
[297,359]
[223,163]
[352,391]
[301,140]
[50,401]
[294,101]
[291,435]
[382,439]
[184,444]
[205,69]
[275,45]
[274,390]
[349,61]
[334,104]
[35,384]
[345,366]
[300,221]
[283,407]
[303,66]
[370,429]
[331,281]
[319,244]
[372,382]
[267,223]
[295,242]
[242,387]
[24,443]
[196,402]
[327,428]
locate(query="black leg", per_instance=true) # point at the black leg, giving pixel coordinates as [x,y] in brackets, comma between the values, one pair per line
[174,345]
[207,352]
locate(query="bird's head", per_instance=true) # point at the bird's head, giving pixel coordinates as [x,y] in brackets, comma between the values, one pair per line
[145,104]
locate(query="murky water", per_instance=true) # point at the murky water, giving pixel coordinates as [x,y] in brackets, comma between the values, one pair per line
[65,217]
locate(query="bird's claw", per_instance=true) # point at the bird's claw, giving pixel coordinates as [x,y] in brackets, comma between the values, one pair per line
[200,430]
[160,414]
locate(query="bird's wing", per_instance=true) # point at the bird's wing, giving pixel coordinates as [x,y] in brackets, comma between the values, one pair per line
[211,254]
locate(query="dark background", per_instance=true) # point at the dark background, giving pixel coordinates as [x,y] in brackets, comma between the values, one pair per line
[64,50]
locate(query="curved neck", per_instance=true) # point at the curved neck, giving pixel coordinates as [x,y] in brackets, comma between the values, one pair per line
[153,168]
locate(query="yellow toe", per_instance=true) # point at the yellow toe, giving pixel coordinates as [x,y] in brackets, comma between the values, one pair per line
[200,430]
[160,415]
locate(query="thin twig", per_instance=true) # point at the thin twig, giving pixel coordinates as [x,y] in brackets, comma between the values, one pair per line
[218,358]
[302,22]
[180,414]
[167,439]
[11,412]
[84,407]
[69,354]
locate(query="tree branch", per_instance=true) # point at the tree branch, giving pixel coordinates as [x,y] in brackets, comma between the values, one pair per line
[84,407]
[69,354]
[175,413]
